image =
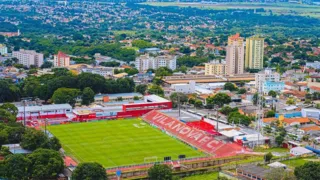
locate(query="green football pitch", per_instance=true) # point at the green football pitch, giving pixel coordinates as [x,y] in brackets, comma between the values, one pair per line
[120,142]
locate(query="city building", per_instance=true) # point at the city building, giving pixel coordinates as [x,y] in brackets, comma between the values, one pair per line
[315,64]
[184,88]
[215,68]
[103,71]
[266,75]
[61,60]
[28,57]
[235,55]
[145,62]
[272,86]
[235,39]
[254,53]
[3,49]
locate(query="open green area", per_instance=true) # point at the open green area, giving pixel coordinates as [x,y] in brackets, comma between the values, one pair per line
[207,176]
[295,162]
[117,143]
[275,149]
[276,8]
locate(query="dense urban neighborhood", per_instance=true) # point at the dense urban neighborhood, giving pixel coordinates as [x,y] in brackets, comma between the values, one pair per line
[159,90]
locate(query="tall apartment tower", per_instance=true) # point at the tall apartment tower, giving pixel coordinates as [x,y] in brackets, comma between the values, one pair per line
[28,57]
[254,53]
[235,55]
[61,60]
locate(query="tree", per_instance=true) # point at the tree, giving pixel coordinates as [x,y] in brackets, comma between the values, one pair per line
[163,71]
[141,44]
[160,172]
[46,64]
[237,118]
[33,139]
[255,98]
[141,88]
[156,89]
[230,86]
[177,96]
[10,107]
[219,99]
[242,91]
[8,91]
[65,95]
[16,167]
[226,110]
[53,143]
[308,171]
[268,157]
[94,81]
[3,137]
[6,116]
[290,101]
[89,171]
[198,103]
[131,71]
[45,164]
[272,93]
[270,114]
[279,140]
[87,96]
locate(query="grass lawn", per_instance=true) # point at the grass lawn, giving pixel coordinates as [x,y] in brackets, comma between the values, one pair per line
[208,176]
[116,143]
[276,149]
[294,162]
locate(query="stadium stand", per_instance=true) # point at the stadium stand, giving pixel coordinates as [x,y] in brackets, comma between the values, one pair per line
[192,136]
[204,126]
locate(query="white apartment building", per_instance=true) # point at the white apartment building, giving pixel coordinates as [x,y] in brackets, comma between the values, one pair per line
[215,68]
[28,57]
[145,62]
[235,55]
[264,76]
[3,49]
[235,59]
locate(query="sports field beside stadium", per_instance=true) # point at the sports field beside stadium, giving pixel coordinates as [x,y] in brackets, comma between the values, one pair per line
[119,142]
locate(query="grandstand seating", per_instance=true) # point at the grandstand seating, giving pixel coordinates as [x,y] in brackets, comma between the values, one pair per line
[192,136]
[204,126]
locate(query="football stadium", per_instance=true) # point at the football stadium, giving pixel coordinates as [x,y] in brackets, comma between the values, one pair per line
[119,142]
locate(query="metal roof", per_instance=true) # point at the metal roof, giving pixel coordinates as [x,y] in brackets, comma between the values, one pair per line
[45,107]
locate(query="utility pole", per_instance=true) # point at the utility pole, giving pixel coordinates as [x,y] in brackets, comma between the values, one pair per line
[45,126]
[179,106]
[24,112]
[217,118]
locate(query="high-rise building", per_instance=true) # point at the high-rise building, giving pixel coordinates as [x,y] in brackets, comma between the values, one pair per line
[61,60]
[28,57]
[235,55]
[3,49]
[254,53]
[215,68]
[145,62]
[235,38]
